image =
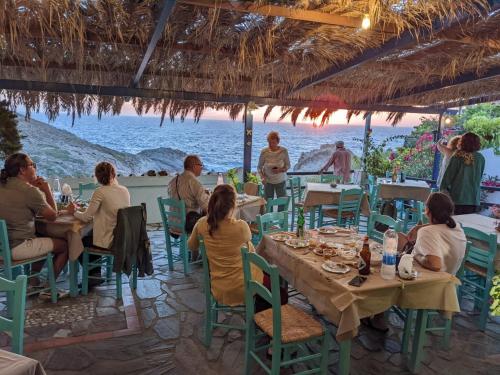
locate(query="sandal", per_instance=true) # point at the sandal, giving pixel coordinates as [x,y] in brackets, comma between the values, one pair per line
[47,296]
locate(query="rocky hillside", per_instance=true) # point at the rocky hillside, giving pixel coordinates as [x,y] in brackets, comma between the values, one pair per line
[60,153]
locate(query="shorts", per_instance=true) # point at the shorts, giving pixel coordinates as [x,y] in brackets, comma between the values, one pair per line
[32,248]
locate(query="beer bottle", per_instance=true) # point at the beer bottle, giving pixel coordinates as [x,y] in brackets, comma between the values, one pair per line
[364,258]
[300,223]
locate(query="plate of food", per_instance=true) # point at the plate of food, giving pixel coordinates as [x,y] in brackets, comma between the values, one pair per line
[297,243]
[335,267]
[318,251]
[348,254]
[280,237]
[327,230]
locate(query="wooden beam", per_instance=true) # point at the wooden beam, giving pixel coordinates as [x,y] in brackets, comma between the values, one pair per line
[288,12]
[69,88]
[459,80]
[406,39]
[166,11]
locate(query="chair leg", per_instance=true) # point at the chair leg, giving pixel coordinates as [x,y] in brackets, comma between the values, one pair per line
[109,268]
[208,325]
[73,278]
[185,255]
[249,347]
[293,218]
[407,331]
[52,279]
[85,273]
[484,306]
[345,357]
[276,361]
[418,341]
[118,285]
[447,334]
[324,352]
[170,258]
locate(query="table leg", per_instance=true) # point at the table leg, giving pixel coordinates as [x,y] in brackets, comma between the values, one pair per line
[418,341]
[345,357]
[73,278]
[312,217]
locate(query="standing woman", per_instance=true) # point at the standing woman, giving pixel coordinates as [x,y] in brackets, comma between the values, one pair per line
[273,164]
[447,151]
[462,178]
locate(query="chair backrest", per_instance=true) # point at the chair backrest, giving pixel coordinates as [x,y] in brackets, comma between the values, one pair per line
[16,324]
[256,288]
[374,189]
[374,218]
[350,201]
[272,222]
[482,249]
[295,190]
[173,215]
[86,187]
[280,203]
[5,250]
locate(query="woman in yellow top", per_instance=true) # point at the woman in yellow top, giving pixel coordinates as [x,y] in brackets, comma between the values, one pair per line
[223,237]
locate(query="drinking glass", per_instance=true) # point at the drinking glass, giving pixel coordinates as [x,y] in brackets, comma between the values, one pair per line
[56,188]
[355,228]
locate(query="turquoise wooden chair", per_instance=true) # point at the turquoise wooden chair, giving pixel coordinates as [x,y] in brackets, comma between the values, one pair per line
[277,323]
[295,197]
[173,215]
[212,307]
[17,290]
[479,270]
[374,218]
[271,222]
[11,268]
[347,211]
[374,200]
[413,214]
[280,203]
[82,188]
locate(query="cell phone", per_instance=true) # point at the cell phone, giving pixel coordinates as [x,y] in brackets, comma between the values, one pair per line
[357,281]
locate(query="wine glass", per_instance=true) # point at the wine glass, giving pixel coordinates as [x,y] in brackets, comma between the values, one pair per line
[56,189]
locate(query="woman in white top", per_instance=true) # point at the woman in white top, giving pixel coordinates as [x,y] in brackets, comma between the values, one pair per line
[447,151]
[440,245]
[273,164]
[103,208]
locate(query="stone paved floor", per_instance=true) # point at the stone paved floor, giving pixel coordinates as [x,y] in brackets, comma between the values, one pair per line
[170,308]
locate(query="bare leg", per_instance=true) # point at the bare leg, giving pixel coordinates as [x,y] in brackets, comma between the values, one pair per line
[61,255]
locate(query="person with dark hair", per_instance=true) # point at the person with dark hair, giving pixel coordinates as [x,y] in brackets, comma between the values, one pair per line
[224,236]
[440,245]
[462,178]
[23,196]
[102,210]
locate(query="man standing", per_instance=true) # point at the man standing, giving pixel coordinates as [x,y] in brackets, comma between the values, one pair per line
[341,160]
[187,187]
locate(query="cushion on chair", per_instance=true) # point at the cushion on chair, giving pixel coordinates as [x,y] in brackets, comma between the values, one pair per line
[296,325]
[476,269]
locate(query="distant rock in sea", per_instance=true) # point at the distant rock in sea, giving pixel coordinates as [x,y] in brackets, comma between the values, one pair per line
[60,153]
[314,160]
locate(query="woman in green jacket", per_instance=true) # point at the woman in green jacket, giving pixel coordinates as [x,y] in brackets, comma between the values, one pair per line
[462,178]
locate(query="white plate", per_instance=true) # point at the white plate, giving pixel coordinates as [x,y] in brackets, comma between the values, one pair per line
[327,230]
[348,254]
[343,234]
[335,267]
[281,237]
[297,243]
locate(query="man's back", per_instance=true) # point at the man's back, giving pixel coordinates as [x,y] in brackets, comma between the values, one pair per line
[342,163]
[187,187]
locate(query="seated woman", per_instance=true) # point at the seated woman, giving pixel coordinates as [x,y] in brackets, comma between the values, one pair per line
[440,245]
[103,208]
[224,236]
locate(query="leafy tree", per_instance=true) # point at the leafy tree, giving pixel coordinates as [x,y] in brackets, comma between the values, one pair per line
[487,128]
[10,139]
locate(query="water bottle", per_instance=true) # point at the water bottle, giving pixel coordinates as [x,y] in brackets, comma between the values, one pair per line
[56,191]
[388,269]
[220,179]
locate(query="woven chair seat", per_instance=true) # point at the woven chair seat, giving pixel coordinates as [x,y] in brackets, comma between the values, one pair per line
[296,325]
[335,213]
[23,261]
[99,250]
[476,269]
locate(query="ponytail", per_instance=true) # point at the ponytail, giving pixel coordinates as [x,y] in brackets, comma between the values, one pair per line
[221,202]
[451,223]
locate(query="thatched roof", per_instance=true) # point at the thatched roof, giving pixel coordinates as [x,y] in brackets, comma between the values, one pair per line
[222,54]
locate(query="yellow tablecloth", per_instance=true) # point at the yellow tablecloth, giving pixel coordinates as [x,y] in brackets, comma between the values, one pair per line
[14,364]
[317,194]
[345,305]
[67,227]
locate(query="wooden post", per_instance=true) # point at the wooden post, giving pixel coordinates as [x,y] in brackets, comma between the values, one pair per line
[364,172]
[247,142]
[437,154]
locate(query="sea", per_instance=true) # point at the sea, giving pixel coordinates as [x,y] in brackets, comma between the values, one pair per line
[219,143]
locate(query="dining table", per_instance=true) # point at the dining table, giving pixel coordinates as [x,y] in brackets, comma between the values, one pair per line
[248,207]
[408,190]
[72,230]
[15,364]
[317,194]
[345,305]
[484,224]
